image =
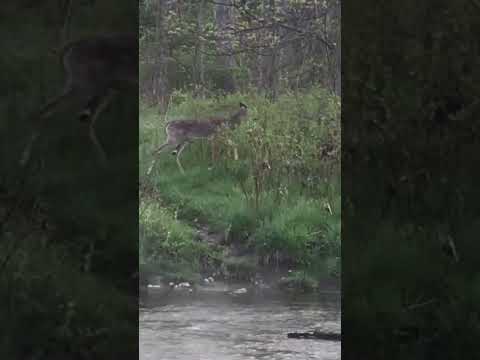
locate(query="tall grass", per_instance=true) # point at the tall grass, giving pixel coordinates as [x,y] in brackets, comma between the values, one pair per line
[170,246]
[280,199]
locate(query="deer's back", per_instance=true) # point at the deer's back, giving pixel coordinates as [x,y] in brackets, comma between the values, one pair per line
[194,128]
[108,60]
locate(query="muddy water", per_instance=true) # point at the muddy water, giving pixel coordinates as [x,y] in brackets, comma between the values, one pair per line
[219,326]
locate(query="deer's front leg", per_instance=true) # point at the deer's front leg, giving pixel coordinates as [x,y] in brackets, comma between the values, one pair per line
[180,149]
[155,153]
[214,150]
[90,108]
[47,110]
[234,149]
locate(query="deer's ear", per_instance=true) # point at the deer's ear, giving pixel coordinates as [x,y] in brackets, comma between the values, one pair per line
[243,105]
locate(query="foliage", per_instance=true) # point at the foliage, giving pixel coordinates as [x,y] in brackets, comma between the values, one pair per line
[57,303]
[298,281]
[67,257]
[215,47]
[239,267]
[409,180]
[294,140]
[164,240]
[280,199]
[288,214]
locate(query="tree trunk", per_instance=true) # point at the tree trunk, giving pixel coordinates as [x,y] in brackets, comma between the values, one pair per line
[226,61]
[159,81]
[337,14]
[199,68]
[271,59]
[67,16]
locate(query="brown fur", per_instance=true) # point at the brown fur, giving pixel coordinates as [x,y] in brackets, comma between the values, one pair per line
[181,132]
[95,68]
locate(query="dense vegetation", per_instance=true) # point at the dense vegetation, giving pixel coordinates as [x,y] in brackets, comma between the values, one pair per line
[68,235]
[410,181]
[286,213]
[278,204]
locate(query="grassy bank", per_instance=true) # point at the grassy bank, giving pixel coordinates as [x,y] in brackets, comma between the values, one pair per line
[52,310]
[279,202]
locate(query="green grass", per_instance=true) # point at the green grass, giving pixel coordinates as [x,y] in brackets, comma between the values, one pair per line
[295,216]
[57,304]
[167,243]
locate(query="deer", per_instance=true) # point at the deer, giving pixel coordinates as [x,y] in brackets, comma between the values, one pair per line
[96,69]
[180,133]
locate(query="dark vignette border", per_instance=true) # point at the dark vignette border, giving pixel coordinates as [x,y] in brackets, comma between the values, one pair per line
[410,211]
[69,227]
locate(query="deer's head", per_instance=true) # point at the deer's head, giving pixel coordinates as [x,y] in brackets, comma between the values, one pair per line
[242,113]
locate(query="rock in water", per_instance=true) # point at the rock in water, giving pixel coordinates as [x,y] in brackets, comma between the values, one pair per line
[239,291]
[155,286]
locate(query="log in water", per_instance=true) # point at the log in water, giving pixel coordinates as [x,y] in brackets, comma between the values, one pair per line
[220,326]
[316,335]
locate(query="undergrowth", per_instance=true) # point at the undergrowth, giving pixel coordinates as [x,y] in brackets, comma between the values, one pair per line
[280,200]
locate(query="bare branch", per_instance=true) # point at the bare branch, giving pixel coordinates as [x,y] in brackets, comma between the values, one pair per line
[476,4]
[316,35]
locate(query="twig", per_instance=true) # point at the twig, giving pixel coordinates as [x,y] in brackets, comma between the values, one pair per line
[17,197]
[453,248]
[476,4]
[279,23]
[419,305]
[67,7]
[14,247]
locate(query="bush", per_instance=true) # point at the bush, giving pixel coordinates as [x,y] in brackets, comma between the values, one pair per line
[280,199]
[168,245]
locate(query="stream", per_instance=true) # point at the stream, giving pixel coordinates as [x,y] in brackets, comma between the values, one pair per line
[216,325]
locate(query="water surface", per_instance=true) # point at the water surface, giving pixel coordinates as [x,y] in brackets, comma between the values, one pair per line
[219,326]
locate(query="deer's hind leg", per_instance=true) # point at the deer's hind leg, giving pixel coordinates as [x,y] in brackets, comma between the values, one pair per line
[215,151]
[93,103]
[158,151]
[179,150]
[161,148]
[47,110]
[52,105]
[103,102]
